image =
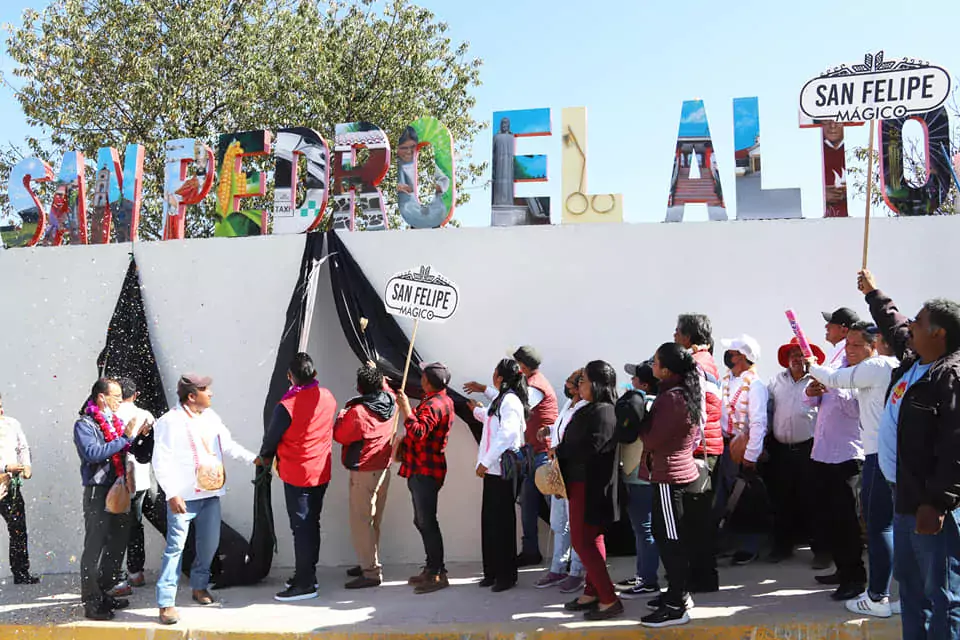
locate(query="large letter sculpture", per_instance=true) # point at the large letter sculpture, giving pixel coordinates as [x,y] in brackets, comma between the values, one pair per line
[235,184]
[357,199]
[753,201]
[117,194]
[833,155]
[578,206]
[290,145]
[437,212]
[179,189]
[509,169]
[27,223]
[695,178]
[901,196]
[68,212]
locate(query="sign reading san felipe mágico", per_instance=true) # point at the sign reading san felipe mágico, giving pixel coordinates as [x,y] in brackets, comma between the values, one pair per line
[876,89]
[422,294]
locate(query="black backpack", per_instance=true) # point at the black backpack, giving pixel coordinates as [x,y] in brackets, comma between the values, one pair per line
[632,410]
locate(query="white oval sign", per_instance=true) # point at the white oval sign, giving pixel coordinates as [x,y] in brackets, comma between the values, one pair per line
[422,294]
[861,96]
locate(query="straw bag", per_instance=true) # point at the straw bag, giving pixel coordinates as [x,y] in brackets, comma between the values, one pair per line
[210,477]
[549,480]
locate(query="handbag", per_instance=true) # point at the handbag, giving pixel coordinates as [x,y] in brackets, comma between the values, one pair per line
[210,477]
[631,455]
[118,498]
[549,480]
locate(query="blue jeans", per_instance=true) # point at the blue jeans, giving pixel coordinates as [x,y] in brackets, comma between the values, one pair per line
[530,501]
[876,500]
[304,505]
[562,548]
[205,515]
[928,570]
[640,511]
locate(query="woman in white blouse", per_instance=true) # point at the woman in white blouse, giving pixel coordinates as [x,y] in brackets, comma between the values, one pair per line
[503,428]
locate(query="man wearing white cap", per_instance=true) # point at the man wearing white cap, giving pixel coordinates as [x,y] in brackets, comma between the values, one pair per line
[743,415]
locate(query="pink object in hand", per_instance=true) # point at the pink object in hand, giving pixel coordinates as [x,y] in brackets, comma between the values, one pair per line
[797,331]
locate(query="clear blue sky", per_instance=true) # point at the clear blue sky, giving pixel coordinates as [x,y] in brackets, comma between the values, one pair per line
[633,62]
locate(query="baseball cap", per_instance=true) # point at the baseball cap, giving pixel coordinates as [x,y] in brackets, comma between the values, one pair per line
[438,371]
[529,356]
[845,317]
[193,381]
[745,345]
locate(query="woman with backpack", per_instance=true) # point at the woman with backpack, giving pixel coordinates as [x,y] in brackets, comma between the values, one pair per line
[669,443]
[588,462]
[504,423]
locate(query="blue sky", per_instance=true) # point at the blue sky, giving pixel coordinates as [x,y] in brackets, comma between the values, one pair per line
[632,63]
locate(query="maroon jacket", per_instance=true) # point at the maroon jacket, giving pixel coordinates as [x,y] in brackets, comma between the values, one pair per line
[542,415]
[671,438]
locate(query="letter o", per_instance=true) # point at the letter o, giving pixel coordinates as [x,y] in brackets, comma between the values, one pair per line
[899,111]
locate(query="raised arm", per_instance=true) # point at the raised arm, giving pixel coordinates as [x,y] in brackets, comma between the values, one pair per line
[894,326]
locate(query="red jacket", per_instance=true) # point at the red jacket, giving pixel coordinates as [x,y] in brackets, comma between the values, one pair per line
[366,436]
[711,388]
[671,437]
[304,453]
[542,415]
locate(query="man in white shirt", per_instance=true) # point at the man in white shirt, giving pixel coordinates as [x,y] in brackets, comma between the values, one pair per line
[744,414]
[15,464]
[190,441]
[792,423]
[141,475]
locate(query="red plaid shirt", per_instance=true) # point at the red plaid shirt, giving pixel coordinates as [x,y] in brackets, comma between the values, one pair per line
[426,438]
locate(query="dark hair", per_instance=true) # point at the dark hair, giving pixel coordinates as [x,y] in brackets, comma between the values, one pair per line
[697,327]
[184,391]
[409,134]
[369,379]
[945,314]
[645,375]
[301,368]
[435,381]
[102,385]
[867,329]
[513,382]
[679,361]
[603,381]
[127,387]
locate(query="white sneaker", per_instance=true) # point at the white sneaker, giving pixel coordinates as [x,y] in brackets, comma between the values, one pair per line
[865,605]
[895,607]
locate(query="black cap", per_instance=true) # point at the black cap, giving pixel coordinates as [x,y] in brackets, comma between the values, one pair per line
[528,355]
[843,316]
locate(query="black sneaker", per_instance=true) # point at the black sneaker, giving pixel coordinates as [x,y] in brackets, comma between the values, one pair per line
[101,612]
[629,582]
[657,603]
[116,604]
[25,578]
[292,580]
[666,616]
[529,559]
[639,589]
[295,593]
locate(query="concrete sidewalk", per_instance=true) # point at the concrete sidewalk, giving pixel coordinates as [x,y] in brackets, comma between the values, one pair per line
[756,601]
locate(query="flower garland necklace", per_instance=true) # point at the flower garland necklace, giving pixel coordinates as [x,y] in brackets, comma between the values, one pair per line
[110,433]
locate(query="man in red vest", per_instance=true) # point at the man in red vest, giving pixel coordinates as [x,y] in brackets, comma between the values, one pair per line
[543,413]
[301,437]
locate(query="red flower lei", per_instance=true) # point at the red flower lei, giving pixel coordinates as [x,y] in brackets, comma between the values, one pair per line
[110,433]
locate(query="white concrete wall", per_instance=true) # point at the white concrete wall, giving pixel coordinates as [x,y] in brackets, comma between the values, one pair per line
[575,292]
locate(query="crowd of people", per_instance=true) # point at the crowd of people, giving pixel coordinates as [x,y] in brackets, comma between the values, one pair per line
[851,448]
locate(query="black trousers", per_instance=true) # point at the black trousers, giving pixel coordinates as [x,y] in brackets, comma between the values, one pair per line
[701,527]
[790,480]
[136,554]
[498,530]
[424,490]
[670,532]
[13,511]
[104,541]
[304,505]
[835,491]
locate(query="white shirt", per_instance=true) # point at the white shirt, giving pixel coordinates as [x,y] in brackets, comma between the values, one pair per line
[756,413]
[871,378]
[794,419]
[534,396]
[173,462]
[13,443]
[559,427]
[500,433]
[141,471]
[835,355]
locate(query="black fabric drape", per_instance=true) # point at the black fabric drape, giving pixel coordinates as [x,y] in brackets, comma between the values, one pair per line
[382,340]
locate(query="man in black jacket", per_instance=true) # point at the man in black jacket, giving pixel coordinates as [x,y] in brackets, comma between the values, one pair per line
[923,410]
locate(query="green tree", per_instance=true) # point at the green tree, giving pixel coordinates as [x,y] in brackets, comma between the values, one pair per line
[95,73]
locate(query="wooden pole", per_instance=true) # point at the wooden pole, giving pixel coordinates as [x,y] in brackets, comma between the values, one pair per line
[866,220]
[403,388]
